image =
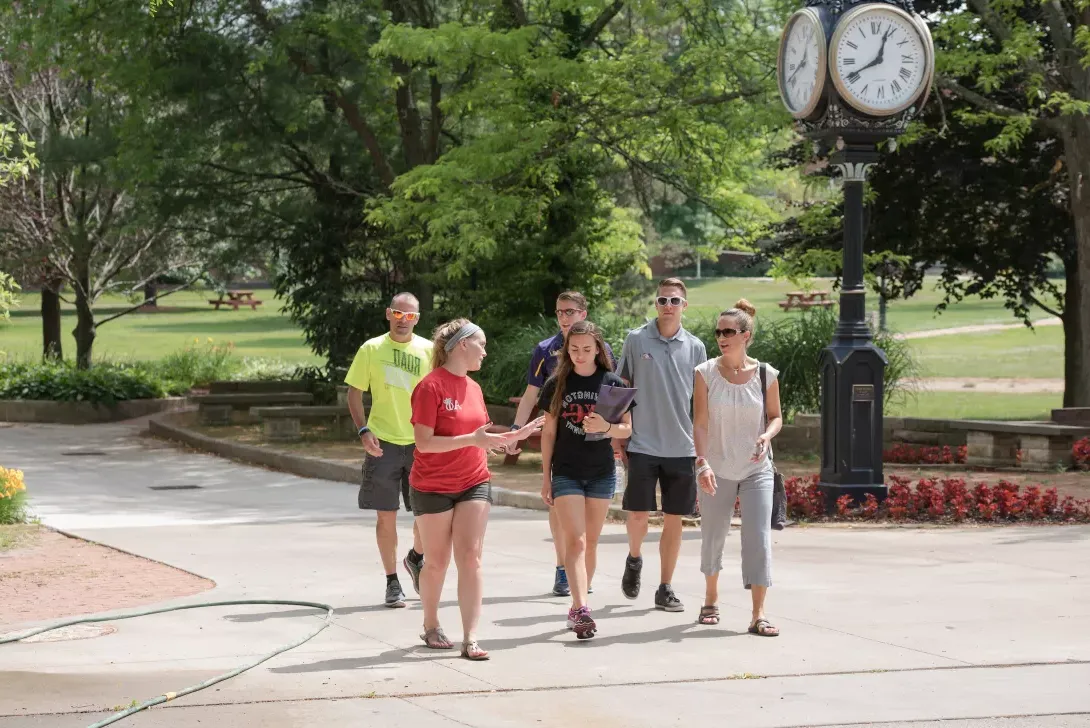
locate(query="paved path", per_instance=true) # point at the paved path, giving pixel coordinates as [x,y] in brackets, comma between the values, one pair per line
[1007,385]
[974,329]
[894,626]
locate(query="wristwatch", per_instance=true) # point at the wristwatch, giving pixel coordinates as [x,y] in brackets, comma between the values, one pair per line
[365,428]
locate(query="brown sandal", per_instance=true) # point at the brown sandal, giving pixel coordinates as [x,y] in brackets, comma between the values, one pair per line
[472,651]
[764,628]
[436,639]
[709,615]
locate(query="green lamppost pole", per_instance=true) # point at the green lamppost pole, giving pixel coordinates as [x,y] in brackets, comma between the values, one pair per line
[853,74]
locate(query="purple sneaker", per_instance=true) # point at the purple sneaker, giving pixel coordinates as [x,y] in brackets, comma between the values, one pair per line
[584,626]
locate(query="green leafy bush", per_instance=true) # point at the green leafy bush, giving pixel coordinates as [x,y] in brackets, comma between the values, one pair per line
[197,364]
[503,374]
[12,496]
[104,383]
[793,345]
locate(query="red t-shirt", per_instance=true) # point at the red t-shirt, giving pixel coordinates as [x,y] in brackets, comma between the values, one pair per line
[451,406]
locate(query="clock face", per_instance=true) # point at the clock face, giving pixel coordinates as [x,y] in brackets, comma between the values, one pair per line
[881,60]
[802,63]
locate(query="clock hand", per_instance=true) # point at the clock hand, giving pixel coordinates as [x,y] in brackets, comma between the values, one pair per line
[854,75]
[799,67]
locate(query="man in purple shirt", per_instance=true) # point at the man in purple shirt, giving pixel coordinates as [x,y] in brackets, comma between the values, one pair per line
[571,306]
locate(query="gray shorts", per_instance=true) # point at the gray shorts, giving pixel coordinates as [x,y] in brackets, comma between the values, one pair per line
[386,478]
[426,503]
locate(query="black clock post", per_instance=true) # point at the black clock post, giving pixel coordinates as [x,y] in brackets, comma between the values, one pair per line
[849,122]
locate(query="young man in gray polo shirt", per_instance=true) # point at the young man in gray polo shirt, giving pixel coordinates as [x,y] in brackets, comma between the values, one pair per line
[659,359]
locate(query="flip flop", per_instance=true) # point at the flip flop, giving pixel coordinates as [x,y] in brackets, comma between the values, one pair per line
[436,639]
[472,651]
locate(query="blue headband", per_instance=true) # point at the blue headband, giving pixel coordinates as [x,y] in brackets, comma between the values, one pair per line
[465,332]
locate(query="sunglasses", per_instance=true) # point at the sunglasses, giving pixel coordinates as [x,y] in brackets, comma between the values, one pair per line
[407,315]
[567,311]
[728,333]
[669,300]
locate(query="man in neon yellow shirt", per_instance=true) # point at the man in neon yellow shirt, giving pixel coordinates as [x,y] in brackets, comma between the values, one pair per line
[390,366]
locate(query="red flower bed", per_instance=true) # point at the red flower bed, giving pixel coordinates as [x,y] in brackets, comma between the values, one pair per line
[1081,453]
[924,455]
[948,500]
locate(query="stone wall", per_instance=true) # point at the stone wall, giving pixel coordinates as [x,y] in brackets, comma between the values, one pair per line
[84,413]
[803,436]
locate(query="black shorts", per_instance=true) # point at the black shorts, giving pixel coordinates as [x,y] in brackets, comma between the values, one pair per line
[387,477]
[676,478]
[426,503]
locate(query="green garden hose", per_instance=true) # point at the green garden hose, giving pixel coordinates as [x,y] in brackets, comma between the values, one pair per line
[193,688]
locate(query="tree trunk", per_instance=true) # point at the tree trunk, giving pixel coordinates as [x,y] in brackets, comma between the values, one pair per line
[51,321]
[1071,322]
[1076,318]
[85,321]
[150,291]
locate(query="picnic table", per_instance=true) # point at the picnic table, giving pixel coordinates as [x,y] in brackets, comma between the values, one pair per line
[804,300]
[236,299]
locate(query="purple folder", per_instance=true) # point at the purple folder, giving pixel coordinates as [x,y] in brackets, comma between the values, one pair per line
[613,402]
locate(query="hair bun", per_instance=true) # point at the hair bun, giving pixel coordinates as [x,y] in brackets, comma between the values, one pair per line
[744,305]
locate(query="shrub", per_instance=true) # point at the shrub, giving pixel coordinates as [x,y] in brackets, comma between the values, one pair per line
[503,374]
[947,500]
[12,496]
[926,455]
[197,364]
[1081,454]
[794,345]
[62,382]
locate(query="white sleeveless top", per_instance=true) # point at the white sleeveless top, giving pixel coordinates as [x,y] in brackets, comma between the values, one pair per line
[735,419]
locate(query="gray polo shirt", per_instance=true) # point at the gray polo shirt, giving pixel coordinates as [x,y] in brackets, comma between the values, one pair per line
[662,370]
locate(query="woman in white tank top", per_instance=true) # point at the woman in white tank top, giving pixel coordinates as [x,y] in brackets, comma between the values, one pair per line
[733,427]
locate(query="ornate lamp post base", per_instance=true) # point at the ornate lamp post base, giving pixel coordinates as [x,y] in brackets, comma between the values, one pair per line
[852,367]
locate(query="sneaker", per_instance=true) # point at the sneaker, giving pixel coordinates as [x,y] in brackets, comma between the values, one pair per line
[414,571]
[560,583]
[394,596]
[573,615]
[590,589]
[630,582]
[584,626]
[666,599]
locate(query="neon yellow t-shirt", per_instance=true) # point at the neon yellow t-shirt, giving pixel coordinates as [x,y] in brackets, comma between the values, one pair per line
[390,371]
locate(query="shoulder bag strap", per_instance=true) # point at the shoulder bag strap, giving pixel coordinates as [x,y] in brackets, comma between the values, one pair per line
[764,403]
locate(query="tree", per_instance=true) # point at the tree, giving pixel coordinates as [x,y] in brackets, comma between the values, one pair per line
[946,198]
[81,215]
[1024,68]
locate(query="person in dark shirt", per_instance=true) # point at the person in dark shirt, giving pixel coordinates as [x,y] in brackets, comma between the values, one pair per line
[571,308]
[580,476]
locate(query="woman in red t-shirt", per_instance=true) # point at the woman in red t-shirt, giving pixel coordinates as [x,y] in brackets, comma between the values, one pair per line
[451,493]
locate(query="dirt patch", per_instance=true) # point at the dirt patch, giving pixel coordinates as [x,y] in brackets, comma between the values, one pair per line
[45,575]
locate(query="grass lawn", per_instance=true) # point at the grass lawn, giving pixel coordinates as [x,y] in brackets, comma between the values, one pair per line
[1034,353]
[711,295]
[978,406]
[265,333]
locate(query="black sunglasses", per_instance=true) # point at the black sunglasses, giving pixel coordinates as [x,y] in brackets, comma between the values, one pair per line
[728,333]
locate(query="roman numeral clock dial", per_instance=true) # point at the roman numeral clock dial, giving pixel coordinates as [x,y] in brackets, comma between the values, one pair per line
[801,65]
[881,59]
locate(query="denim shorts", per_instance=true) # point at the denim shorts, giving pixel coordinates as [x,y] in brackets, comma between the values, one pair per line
[601,487]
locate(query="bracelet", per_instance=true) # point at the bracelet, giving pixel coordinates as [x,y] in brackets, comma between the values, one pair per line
[703,469]
[363,429]
[610,427]
[515,427]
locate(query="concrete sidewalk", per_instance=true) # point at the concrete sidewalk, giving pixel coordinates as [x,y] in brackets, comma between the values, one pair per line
[879,625]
